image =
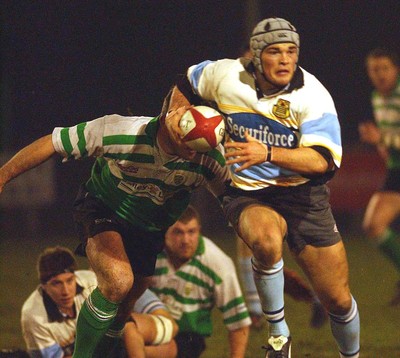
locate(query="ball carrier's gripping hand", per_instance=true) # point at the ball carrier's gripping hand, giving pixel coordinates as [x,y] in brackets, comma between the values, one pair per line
[251,152]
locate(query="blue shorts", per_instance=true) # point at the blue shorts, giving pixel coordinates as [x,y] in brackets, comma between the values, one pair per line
[92,216]
[305,208]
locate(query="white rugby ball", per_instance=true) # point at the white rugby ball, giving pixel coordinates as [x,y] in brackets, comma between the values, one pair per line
[203,128]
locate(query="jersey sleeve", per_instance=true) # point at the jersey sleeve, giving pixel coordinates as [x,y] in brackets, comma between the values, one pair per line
[229,298]
[148,302]
[96,137]
[319,123]
[219,176]
[205,77]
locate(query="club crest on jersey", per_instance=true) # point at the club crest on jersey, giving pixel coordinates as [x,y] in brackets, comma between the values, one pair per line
[178,179]
[281,109]
[188,288]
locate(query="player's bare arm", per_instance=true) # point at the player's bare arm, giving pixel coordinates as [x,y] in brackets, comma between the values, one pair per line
[27,158]
[300,160]
[238,341]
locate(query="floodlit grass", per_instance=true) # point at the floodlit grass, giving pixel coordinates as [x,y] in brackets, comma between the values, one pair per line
[372,280]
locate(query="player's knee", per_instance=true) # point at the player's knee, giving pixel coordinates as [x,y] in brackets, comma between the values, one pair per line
[117,288]
[267,251]
[339,304]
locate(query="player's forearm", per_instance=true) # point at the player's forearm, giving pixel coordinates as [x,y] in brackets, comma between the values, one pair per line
[301,160]
[27,158]
[238,340]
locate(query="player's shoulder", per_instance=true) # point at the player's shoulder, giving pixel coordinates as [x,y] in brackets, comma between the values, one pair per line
[117,119]
[311,82]
[221,66]
[33,307]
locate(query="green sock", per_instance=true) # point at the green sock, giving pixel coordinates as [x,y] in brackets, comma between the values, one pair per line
[96,316]
[390,246]
[108,345]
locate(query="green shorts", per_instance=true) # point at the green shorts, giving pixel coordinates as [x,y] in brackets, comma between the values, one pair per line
[305,208]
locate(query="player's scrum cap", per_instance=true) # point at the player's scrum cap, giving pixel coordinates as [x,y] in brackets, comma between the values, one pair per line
[271,31]
[54,261]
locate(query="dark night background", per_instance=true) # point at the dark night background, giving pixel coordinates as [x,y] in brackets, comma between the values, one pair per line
[65,62]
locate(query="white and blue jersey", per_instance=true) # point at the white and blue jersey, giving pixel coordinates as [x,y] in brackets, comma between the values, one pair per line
[49,334]
[300,115]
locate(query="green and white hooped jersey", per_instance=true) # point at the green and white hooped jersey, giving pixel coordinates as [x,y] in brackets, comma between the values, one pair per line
[387,116]
[208,280]
[132,175]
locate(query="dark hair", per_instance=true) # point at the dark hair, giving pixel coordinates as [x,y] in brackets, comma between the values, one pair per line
[189,214]
[384,52]
[55,260]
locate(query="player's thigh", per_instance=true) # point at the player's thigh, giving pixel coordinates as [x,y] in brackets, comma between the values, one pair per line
[327,270]
[382,209]
[109,261]
[259,223]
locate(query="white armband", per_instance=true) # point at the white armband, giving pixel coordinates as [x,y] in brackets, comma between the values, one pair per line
[164,329]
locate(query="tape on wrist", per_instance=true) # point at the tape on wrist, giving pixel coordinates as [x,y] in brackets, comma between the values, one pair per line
[164,330]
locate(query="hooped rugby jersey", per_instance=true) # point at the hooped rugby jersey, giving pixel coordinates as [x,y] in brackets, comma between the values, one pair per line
[301,115]
[206,281]
[387,116]
[48,334]
[132,175]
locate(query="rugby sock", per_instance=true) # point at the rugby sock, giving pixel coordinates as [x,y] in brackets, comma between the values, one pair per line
[95,318]
[346,330]
[249,287]
[110,341]
[390,246]
[270,283]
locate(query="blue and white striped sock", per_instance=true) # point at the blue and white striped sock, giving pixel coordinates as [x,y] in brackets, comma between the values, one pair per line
[270,284]
[346,330]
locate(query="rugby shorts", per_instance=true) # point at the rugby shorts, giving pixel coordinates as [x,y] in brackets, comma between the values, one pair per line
[305,208]
[392,181]
[92,216]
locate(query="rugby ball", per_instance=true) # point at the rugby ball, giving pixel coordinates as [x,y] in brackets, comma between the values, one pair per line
[203,128]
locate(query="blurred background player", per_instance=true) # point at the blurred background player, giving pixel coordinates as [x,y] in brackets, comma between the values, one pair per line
[192,277]
[383,68]
[49,315]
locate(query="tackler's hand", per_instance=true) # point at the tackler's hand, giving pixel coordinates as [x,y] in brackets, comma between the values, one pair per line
[251,152]
[172,120]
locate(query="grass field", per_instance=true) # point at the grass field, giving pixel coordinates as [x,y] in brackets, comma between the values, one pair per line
[372,279]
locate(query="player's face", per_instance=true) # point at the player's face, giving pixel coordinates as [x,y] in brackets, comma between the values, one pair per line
[279,63]
[383,74]
[182,239]
[62,290]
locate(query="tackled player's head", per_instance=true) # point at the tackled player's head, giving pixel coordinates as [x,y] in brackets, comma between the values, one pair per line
[56,267]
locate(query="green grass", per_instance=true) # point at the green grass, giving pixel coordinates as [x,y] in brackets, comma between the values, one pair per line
[372,280]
